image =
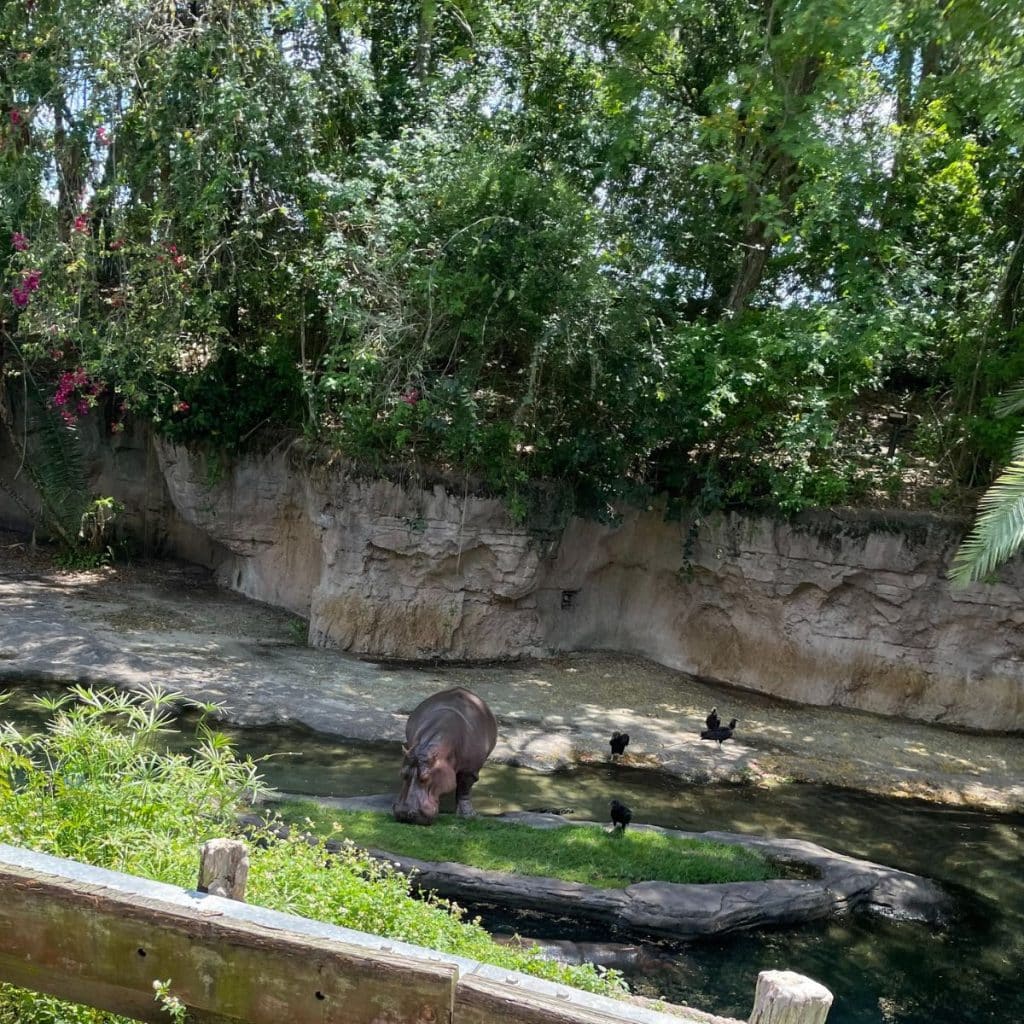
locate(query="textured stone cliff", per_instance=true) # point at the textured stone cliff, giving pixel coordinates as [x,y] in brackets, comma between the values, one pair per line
[845,608]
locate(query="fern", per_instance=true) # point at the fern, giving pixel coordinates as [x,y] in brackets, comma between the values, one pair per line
[55,465]
[52,458]
[1012,401]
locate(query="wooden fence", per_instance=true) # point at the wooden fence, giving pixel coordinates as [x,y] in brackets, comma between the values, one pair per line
[104,938]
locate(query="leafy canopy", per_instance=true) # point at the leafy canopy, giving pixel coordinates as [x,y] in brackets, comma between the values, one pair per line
[596,247]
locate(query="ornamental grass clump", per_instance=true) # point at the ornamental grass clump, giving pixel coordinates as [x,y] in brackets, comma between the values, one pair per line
[99,785]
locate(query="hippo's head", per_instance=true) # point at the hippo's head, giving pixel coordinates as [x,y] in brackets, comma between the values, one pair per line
[427,774]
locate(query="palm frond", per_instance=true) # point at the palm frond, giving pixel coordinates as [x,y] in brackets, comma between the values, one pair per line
[1012,401]
[999,530]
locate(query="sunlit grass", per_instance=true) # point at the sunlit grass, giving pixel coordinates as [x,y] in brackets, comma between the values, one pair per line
[577,854]
[96,784]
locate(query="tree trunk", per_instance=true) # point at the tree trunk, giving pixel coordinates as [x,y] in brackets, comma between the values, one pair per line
[756,250]
[772,170]
[425,39]
[70,158]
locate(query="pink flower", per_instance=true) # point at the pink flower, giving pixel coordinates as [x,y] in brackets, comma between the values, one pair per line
[177,258]
[74,394]
[102,137]
[411,396]
[82,224]
[181,407]
[116,244]
[15,116]
[29,283]
[19,241]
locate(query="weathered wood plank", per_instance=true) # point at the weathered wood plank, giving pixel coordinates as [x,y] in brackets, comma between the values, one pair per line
[489,995]
[783,997]
[103,945]
[102,938]
[223,868]
[484,1001]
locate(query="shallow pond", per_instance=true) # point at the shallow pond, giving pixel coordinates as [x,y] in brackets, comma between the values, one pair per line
[880,971]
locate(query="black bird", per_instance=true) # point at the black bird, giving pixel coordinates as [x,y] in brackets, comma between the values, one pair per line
[721,733]
[619,742]
[621,815]
[713,721]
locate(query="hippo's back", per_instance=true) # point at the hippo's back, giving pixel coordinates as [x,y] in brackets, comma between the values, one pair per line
[460,716]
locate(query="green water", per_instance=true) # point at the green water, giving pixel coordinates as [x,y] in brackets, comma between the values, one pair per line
[882,972]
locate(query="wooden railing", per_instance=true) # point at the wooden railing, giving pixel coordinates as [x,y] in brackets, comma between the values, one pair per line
[104,938]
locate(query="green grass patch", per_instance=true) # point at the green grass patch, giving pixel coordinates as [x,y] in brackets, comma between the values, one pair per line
[575,853]
[97,784]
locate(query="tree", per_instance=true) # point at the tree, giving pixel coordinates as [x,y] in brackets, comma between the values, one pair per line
[601,247]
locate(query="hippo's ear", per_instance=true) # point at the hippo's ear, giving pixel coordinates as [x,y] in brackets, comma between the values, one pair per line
[405,750]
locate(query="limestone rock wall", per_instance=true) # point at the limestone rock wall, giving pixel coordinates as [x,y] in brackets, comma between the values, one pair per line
[378,568]
[852,610]
[847,609]
[255,510]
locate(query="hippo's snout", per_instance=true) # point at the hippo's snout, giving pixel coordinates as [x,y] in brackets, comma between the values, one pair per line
[411,815]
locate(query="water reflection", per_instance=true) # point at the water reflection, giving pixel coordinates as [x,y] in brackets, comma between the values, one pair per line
[882,972]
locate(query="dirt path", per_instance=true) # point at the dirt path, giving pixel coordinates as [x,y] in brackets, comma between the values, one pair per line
[166,624]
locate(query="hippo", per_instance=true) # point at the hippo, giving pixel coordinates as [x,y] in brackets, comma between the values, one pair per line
[449,736]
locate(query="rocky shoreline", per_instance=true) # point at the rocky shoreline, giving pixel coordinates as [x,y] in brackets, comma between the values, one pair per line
[167,624]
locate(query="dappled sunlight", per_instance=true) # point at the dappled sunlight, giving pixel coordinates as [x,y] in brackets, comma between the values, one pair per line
[586,854]
[126,626]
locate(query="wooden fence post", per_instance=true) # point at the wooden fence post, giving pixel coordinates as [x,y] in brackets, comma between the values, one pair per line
[223,868]
[784,997]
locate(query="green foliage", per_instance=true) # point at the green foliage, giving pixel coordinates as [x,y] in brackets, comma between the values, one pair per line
[18,1006]
[998,533]
[354,891]
[577,854]
[97,522]
[298,631]
[169,1002]
[228,401]
[95,545]
[98,785]
[602,246]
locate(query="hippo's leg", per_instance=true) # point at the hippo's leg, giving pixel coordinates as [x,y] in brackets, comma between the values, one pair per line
[463,784]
